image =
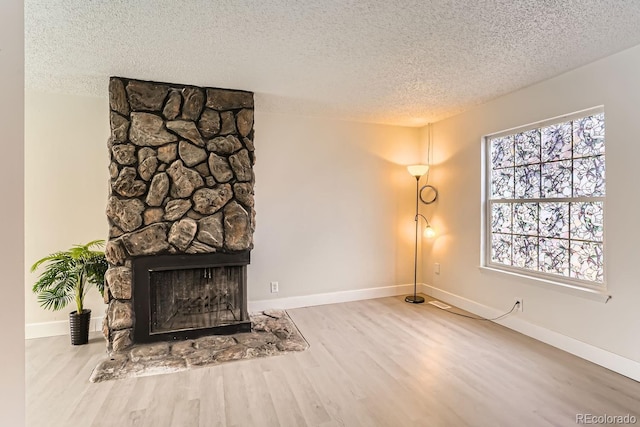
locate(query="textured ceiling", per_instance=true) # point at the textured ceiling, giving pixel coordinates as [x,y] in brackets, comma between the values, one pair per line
[397,62]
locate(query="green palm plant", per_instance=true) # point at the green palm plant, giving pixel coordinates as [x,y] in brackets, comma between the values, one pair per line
[67,275]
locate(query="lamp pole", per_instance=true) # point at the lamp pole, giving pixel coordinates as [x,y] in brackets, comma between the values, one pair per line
[415,299]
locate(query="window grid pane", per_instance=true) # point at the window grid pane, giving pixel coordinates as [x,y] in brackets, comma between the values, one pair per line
[546,210]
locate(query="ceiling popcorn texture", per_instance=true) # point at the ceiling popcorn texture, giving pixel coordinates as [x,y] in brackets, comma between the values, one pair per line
[401,62]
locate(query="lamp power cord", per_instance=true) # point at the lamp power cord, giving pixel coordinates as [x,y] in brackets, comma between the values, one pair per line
[515,305]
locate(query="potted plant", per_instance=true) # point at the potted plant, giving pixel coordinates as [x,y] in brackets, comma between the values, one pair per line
[67,276]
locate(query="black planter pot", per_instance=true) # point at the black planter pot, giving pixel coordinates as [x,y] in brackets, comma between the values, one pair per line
[79,324]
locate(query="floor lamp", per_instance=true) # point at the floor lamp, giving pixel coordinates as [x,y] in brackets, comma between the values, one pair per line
[417,171]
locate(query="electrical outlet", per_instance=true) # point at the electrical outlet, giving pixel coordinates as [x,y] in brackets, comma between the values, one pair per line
[274,287]
[520,306]
[436,268]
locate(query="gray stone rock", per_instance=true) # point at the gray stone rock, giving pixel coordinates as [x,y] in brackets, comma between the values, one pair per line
[210,200]
[203,170]
[158,189]
[122,340]
[147,241]
[187,130]
[107,369]
[119,128]
[200,357]
[124,154]
[193,103]
[244,120]
[120,315]
[168,153]
[224,99]
[176,209]
[211,231]
[149,351]
[165,365]
[182,348]
[113,170]
[237,228]
[200,248]
[241,165]
[152,215]
[144,153]
[127,185]
[148,168]
[146,96]
[249,144]
[106,297]
[182,233]
[228,125]
[190,154]
[115,231]
[126,214]
[237,352]
[148,130]
[220,169]
[209,123]
[244,193]
[114,252]
[185,180]
[171,108]
[119,281]
[118,97]
[224,145]
[292,345]
[254,339]
[216,342]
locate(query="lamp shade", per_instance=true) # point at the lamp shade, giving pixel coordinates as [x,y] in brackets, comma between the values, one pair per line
[418,170]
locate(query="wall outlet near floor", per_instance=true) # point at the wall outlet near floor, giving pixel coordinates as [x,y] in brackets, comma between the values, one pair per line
[436,268]
[274,287]
[520,306]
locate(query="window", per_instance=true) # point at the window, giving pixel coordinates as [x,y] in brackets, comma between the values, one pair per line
[546,190]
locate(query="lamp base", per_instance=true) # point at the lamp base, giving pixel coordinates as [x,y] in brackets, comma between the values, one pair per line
[414,299]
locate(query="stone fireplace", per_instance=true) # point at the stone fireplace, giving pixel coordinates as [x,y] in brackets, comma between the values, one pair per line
[180,211]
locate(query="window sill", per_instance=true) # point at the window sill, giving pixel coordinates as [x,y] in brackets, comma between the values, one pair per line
[596,295]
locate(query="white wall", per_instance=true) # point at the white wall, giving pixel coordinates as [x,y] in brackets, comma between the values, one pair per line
[612,82]
[11,192]
[333,198]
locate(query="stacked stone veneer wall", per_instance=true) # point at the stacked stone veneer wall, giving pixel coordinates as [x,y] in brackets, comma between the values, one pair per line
[181,182]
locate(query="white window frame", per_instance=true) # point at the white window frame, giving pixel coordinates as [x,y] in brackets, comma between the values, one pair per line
[487,233]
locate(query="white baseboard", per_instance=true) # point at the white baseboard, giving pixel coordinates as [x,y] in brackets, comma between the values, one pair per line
[58,327]
[329,298]
[622,365]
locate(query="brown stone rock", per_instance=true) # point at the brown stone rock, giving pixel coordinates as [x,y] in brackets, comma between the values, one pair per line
[200,248]
[255,339]
[238,234]
[127,185]
[108,369]
[224,99]
[228,123]
[120,315]
[162,167]
[158,189]
[152,215]
[292,345]
[148,130]
[113,170]
[237,352]
[144,153]
[194,215]
[182,348]
[105,324]
[185,180]
[224,145]
[210,200]
[168,153]
[276,314]
[241,165]
[163,365]
[176,209]
[220,169]
[182,233]
[210,230]
[244,121]
[147,241]
[209,123]
[216,342]
[203,170]
[190,154]
[118,97]
[249,144]
[124,154]
[200,357]
[149,351]
[114,252]
[119,281]
[146,96]
[115,232]
[187,130]
[244,193]
[193,103]
[148,167]
[171,108]
[119,128]
[126,214]
[106,297]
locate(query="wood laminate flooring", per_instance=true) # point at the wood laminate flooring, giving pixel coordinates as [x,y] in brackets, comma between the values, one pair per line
[378,362]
